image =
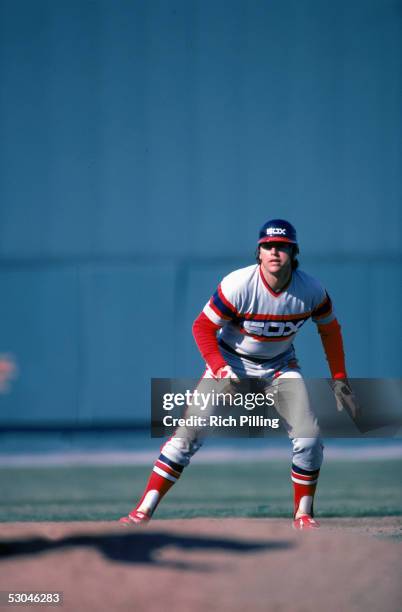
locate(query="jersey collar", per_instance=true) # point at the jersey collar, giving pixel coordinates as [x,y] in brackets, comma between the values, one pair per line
[271,291]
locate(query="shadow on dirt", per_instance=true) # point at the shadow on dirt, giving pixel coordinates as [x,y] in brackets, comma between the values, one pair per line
[139,547]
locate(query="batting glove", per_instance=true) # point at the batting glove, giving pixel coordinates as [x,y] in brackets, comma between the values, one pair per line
[344,396]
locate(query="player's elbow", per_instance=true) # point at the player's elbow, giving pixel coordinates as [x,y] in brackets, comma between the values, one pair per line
[327,329]
[197,324]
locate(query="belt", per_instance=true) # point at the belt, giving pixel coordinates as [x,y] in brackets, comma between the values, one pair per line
[229,349]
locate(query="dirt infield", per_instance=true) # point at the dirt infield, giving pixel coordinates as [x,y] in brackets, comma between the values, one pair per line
[203,564]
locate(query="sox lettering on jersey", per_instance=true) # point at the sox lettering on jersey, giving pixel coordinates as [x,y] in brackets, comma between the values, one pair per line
[273,328]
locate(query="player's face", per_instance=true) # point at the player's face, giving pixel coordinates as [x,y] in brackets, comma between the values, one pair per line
[275,256]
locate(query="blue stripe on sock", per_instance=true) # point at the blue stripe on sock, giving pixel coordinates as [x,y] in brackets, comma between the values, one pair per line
[299,470]
[175,466]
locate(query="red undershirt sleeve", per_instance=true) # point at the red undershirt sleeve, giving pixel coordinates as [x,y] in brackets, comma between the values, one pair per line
[204,332]
[331,338]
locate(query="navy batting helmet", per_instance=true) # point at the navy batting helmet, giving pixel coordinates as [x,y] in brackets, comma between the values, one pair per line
[278,230]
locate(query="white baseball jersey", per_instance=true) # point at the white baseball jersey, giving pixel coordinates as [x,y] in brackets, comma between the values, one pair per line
[259,322]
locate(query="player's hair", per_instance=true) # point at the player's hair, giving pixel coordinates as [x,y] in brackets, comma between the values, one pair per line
[295,261]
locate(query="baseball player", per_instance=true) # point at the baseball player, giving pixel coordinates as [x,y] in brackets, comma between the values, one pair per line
[247,329]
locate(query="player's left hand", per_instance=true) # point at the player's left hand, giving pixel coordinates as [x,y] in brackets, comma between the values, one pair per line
[344,397]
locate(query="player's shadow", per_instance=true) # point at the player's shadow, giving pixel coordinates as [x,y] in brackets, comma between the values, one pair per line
[139,547]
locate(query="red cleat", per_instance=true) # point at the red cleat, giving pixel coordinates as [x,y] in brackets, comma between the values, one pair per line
[305,521]
[135,518]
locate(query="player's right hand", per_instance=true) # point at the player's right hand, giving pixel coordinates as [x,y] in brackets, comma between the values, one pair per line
[227,372]
[229,379]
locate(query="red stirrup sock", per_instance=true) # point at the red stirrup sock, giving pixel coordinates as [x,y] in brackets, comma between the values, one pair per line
[163,476]
[304,486]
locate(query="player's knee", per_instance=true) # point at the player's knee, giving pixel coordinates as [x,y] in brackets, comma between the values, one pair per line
[180,450]
[308,453]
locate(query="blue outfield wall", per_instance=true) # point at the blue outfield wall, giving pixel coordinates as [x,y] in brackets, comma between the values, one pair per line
[142,146]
